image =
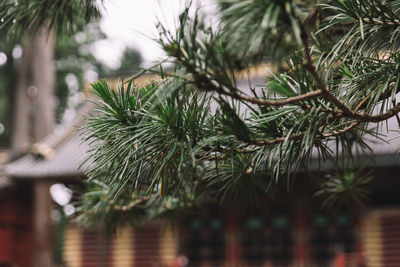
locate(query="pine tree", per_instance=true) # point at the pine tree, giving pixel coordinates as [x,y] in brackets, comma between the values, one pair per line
[162,148]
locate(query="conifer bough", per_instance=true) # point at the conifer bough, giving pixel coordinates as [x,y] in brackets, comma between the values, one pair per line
[29,16]
[194,136]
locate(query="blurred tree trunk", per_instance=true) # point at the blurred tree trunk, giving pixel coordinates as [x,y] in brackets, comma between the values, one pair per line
[34,112]
[34,119]
[43,78]
[43,117]
[20,131]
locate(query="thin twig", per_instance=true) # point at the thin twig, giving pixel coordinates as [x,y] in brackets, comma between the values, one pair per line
[297,136]
[379,22]
[278,102]
[133,204]
[339,132]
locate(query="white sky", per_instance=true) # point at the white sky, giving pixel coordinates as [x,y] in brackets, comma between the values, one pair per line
[132,23]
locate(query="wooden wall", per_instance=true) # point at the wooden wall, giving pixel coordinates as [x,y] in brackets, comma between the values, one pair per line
[145,247]
[16,235]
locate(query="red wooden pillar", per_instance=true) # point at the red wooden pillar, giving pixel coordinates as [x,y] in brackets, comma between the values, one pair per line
[23,235]
[359,257]
[42,224]
[7,219]
[233,248]
[340,260]
[301,247]
[147,246]
[96,249]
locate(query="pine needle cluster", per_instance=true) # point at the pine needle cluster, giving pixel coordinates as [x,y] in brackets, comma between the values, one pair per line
[29,16]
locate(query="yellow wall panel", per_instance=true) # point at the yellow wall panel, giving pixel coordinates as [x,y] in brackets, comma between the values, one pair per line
[73,246]
[168,246]
[123,251]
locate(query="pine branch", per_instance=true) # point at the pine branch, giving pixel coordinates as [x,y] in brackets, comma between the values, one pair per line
[347,112]
[376,21]
[133,204]
[297,136]
[197,136]
[204,83]
[29,16]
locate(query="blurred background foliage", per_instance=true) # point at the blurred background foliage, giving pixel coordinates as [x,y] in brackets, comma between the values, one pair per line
[8,76]
[75,66]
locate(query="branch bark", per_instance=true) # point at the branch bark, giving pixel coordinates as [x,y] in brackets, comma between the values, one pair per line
[376,21]
[205,84]
[133,204]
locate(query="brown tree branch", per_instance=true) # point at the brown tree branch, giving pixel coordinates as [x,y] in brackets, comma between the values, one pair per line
[133,204]
[278,102]
[204,83]
[297,136]
[380,22]
[339,132]
[347,112]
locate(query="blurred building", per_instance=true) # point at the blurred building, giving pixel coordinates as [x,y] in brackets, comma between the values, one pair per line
[291,231]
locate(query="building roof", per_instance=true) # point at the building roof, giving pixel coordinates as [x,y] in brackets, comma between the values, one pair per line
[58,156]
[61,154]
[65,162]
